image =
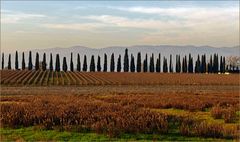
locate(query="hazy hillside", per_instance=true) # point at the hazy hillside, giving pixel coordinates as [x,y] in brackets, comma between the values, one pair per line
[165,50]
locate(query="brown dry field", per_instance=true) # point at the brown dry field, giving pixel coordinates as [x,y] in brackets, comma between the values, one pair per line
[48,78]
[112,102]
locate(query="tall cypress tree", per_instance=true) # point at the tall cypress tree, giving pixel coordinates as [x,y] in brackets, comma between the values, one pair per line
[57,67]
[112,65]
[145,64]
[126,61]
[78,63]
[92,64]
[221,68]
[105,63]
[170,64]
[44,62]
[224,65]
[178,64]
[71,63]
[203,64]
[165,66]
[190,64]
[37,62]
[139,62]
[132,65]
[2,61]
[51,63]
[9,62]
[151,64]
[176,67]
[119,65]
[16,61]
[158,63]
[64,66]
[197,65]
[184,64]
[99,68]
[23,62]
[30,65]
[215,63]
[85,63]
[210,66]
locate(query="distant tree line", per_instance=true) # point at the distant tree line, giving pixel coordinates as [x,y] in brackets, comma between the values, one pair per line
[184,65]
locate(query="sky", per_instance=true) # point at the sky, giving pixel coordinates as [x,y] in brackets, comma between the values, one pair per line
[47,24]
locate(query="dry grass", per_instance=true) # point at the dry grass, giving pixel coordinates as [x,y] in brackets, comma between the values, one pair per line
[111,114]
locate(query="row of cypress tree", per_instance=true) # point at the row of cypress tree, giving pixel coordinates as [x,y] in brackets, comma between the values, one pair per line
[185,66]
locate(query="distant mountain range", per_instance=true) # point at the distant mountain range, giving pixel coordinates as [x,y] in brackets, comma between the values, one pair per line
[165,50]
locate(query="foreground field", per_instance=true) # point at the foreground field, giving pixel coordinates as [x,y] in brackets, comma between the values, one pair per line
[157,112]
[60,106]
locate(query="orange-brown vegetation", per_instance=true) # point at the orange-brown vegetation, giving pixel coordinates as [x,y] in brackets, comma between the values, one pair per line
[117,113]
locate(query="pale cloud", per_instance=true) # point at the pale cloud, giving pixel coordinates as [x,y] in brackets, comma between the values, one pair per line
[118,21]
[12,17]
[75,26]
[184,12]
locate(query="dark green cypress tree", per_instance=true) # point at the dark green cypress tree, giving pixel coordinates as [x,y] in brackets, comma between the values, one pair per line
[145,64]
[105,63]
[184,68]
[112,65]
[139,62]
[37,62]
[44,62]
[215,63]
[2,61]
[178,64]
[23,61]
[165,66]
[78,63]
[71,63]
[224,65]
[85,63]
[176,67]
[183,65]
[132,65]
[158,63]
[119,65]
[151,64]
[57,67]
[30,65]
[51,63]
[16,61]
[197,65]
[221,64]
[64,67]
[9,62]
[99,68]
[92,64]
[203,64]
[190,64]
[126,61]
[210,68]
[170,64]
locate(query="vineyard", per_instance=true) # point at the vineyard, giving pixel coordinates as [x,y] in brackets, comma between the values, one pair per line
[53,78]
[169,105]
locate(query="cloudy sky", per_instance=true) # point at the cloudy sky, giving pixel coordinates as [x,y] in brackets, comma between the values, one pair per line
[43,24]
